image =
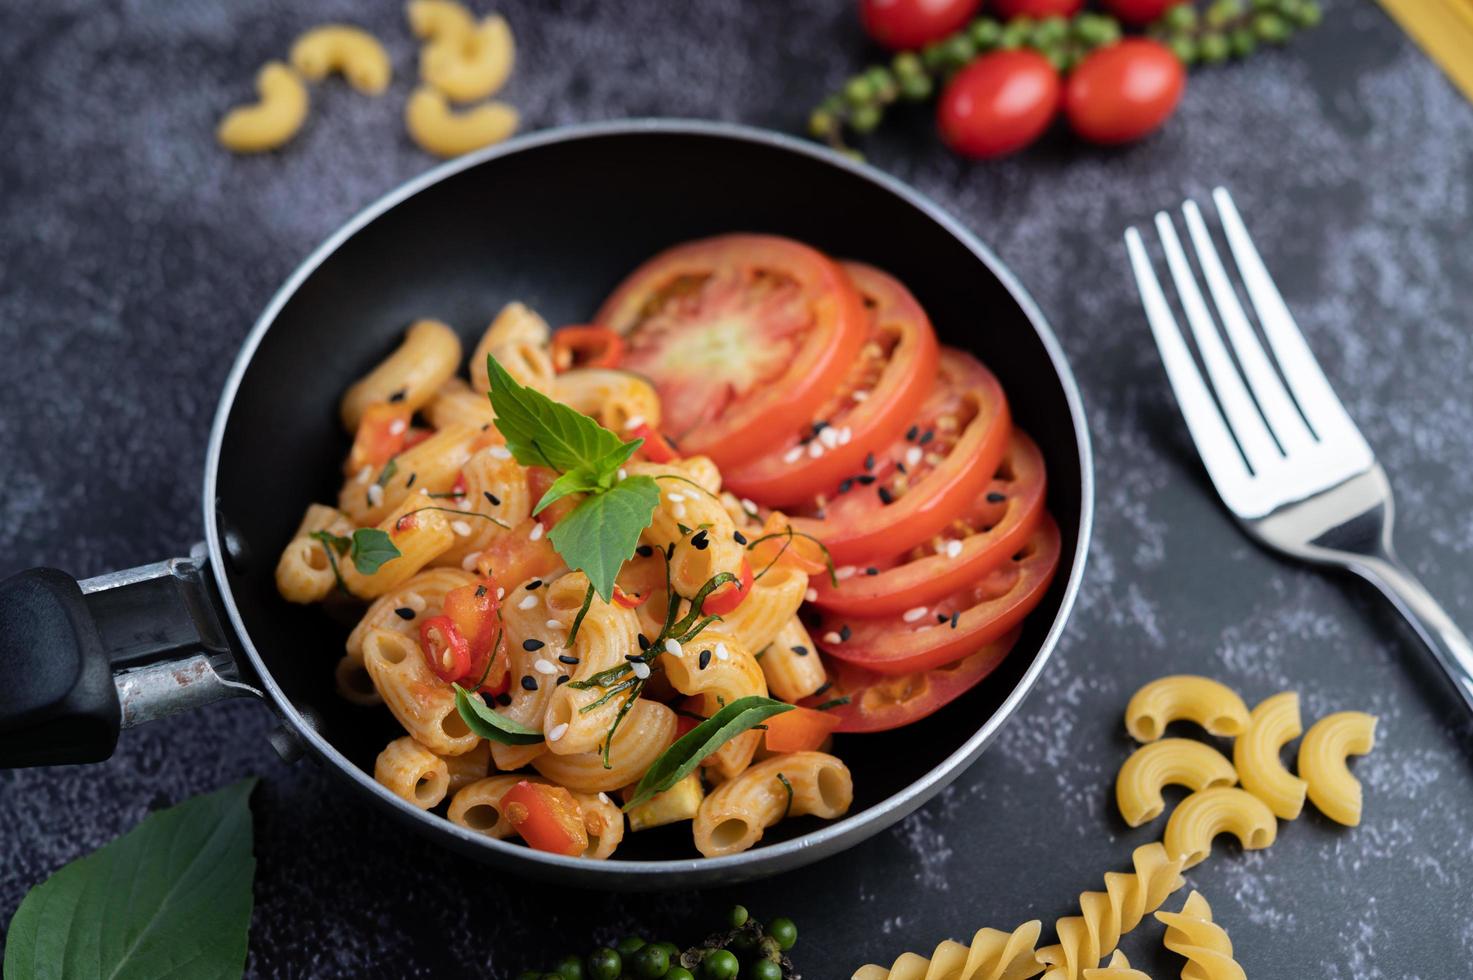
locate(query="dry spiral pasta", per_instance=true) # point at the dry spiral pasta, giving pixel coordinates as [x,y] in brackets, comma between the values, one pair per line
[1332,789]
[1118,968]
[1085,939]
[993,955]
[1273,723]
[1185,697]
[1205,944]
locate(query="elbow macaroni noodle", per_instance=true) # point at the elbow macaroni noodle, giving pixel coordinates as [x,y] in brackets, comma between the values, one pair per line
[470,65]
[273,120]
[733,817]
[1322,754]
[354,52]
[436,20]
[411,375]
[1212,705]
[1178,761]
[412,772]
[1209,812]
[1273,724]
[439,130]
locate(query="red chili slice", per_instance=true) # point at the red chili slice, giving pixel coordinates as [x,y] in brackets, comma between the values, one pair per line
[446,651]
[586,346]
[726,598]
[656,448]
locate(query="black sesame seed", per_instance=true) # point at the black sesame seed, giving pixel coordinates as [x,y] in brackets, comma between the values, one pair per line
[823,688]
[996,498]
[503,699]
[869,462]
[530,645]
[942,617]
[867,479]
[739,537]
[844,633]
[845,484]
[801,651]
[533,585]
[954,617]
[404,612]
[561,680]
[410,482]
[673,445]
[644,642]
[926,437]
[820,425]
[911,433]
[399,395]
[886,497]
[705,660]
[670,551]
[644,551]
[495,500]
[529,683]
[900,467]
[700,540]
[568,658]
[633,658]
[872,570]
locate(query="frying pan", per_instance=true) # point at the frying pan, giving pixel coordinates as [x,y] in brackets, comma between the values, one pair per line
[555,219]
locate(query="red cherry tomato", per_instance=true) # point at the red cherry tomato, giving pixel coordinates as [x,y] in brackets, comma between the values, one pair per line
[1122,92]
[1139,12]
[998,104]
[1008,9]
[475,612]
[901,24]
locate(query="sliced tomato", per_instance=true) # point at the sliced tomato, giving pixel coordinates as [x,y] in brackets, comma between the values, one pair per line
[380,437]
[876,400]
[517,556]
[726,598]
[446,651]
[586,346]
[476,613]
[740,334]
[871,702]
[988,534]
[941,632]
[799,730]
[927,478]
[547,817]
[656,448]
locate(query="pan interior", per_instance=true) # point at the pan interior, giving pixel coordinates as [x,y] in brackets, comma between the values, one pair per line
[556,226]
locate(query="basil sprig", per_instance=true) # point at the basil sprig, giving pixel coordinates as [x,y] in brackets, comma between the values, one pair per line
[368,548]
[681,758]
[490,724]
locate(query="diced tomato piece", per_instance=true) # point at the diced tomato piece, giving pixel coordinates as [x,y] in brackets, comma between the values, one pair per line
[656,448]
[726,598]
[799,730]
[547,817]
[381,435]
[416,435]
[539,478]
[586,346]
[445,649]
[476,613]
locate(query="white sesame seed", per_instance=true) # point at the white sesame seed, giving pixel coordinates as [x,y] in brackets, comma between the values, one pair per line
[536,532]
[847,571]
[911,615]
[544,666]
[623,474]
[679,510]
[500,452]
[553,624]
[935,459]
[832,637]
[860,396]
[463,503]
[365,474]
[469,561]
[672,646]
[793,455]
[641,669]
[604,799]
[675,498]
[815,449]
[845,434]
[721,652]
[913,455]
[953,548]
[633,422]
[500,594]
[829,436]
[461,528]
[811,595]
[397,427]
[375,494]
[415,601]
[557,732]
[530,600]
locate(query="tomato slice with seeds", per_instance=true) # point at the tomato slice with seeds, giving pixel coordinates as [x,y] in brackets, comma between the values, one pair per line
[927,478]
[939,633]
[875,401]
[988,534]
[740,334]
[880,702]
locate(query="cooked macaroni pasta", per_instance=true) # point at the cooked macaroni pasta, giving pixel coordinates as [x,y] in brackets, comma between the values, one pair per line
[647,730]
[419,700]
[619,400]
[304,572]
[993,955]
[1205,944]
[477,807]
[518,339]
[1185,697]
[719,669]
[1169,761]
[411,375]
[578,719]
[1322,754]
[412,772]
[1272,725]
[419,531]
[791,664]
[1209,812]
[737,812]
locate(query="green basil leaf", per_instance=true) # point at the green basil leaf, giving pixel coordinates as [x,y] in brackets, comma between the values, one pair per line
[371,548]
[602,532]
[492,725]
[172,897]
[681,759]
[543,432]
[579,480]
[339,541]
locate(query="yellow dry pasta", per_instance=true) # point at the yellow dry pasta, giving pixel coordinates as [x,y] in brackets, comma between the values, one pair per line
[354,52]
[271,122]
[993,955]
[420,701]
[518,339]
[427,357]
[734,816]
[412,772]
[304,571]
[1185,697]
[470,65]
[436,20]
[445,133]
[1205,944]
[1322,754]
[1272,725]
[1168,761]
[1209,812]
[1118,968]
[1128,896]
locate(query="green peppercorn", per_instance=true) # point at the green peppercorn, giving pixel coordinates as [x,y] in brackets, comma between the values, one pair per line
[1182,17]
[959,50]
[1213,48]
[784,931]
[1243,42]
[764,970]
[1050,30]
[1307,13]
[985,33]
[1184,47]
[570,968]
[858,91]
[1015,33]
[821,124]
[1095,30]
[651,962]
[1060,57]
[679,973]
[671,950]
[604,964]
[629,945]
[1271,28]
[917,89]
[882,83]
[907,64]
[737,917]
[864,119]
[933,56]
[720,964]
[1223,12]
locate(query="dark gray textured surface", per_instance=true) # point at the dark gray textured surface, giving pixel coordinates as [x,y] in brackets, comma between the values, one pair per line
[134,255]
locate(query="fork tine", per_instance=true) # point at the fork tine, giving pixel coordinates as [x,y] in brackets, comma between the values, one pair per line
[1326,415]
[1283,418]
[1214,443]
[1237,406]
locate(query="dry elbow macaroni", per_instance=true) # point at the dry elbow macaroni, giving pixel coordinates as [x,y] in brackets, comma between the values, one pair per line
[446,133]
[352,51]
[270,122]
[1273,724]
[1322,754]
[436,20]
[1212,705]
[1178,761]
[469,65]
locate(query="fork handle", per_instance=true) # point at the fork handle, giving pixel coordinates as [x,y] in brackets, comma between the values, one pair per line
[1448,644]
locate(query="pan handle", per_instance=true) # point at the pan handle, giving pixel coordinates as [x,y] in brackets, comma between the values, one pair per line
[79,661]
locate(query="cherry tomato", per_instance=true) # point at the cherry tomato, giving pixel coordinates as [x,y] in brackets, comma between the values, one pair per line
[1139,12]
[547,817]
[656,448]
[927,478]
[476,613]
[1037,9]
[446,651]
[874,403]
[1122,92]
[586,346]
[941,632]
[899,24]
[880,702]
[740,334]
[729,596]
[380,437]
[988,534]
[998,104]
[799,730]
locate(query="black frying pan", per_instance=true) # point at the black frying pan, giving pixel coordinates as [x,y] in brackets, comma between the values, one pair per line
[556,220]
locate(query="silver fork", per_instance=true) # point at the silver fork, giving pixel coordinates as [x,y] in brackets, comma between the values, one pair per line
[1289,463]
